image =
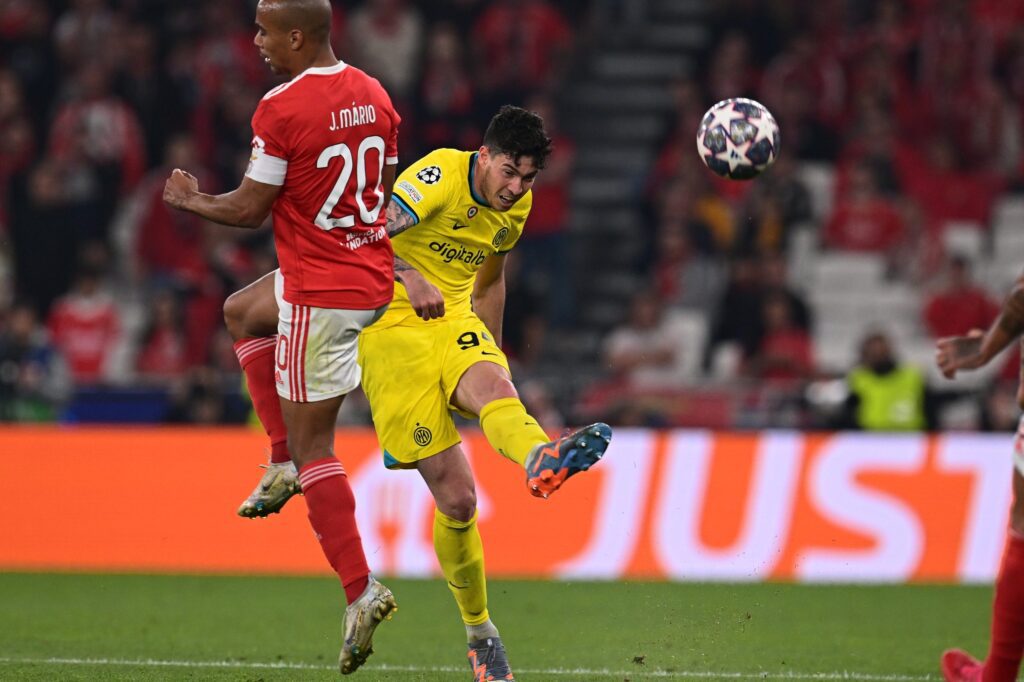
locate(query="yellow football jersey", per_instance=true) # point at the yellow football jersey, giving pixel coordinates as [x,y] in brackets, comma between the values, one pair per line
[455,230]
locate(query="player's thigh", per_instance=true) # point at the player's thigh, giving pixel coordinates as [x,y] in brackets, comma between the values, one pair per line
[317,349]
[401,368]
[450,480]
[475,369]
[252,311]
[480,384]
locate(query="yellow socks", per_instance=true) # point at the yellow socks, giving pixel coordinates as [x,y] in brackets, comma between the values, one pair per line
[510,430]
[461,555]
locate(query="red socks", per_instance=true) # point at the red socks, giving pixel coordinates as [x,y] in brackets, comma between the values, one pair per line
[256,356]
[332,513]
[1007,615]
[329,498]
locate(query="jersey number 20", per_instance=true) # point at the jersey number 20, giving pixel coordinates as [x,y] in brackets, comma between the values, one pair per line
[368,216]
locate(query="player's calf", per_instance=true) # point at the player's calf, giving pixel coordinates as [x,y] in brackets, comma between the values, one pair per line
[552,464]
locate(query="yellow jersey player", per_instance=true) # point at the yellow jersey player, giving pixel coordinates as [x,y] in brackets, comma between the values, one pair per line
[452,218]
[436,350]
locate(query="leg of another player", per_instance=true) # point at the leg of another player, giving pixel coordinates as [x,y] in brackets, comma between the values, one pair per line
[460,552]
[325,484]
[486,389]
[332,514]
[251,318]
[1007,643]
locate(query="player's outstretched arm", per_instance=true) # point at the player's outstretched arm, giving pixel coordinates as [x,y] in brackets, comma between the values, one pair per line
[978,347]
[247,206]
[489,294]
[425,298]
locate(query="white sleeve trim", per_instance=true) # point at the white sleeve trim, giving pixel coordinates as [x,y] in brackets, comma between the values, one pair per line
[267,169]
[390,160]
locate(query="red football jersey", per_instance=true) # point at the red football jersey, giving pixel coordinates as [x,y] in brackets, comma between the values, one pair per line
[326,136]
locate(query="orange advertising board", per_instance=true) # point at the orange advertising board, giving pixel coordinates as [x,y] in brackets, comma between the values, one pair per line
[684,505]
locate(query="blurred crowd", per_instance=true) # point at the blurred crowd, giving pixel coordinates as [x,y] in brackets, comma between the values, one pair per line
[110,297]
[915,105]
[916,108]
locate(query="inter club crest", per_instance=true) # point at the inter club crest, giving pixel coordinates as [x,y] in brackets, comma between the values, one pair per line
[422,435]
[499,238]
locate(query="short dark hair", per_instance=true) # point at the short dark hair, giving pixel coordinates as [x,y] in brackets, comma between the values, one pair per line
[518,133]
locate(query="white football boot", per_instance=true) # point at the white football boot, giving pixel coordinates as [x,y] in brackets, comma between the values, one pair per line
[278,484]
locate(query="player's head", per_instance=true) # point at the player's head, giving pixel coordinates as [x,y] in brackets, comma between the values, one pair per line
[515,149]
[290,34]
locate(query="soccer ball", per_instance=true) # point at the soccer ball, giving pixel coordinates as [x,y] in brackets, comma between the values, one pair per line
[738,138]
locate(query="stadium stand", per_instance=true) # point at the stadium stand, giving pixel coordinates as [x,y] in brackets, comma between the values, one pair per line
[98,98]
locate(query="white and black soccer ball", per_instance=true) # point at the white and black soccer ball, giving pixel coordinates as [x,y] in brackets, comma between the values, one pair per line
[738,138]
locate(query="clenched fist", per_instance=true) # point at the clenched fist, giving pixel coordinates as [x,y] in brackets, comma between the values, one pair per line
[179,187]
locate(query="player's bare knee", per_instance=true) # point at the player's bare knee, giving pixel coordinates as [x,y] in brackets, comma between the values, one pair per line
[504,388]
[459,504]
[501,386]
[234,315]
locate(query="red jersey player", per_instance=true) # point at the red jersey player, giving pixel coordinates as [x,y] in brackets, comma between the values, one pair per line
[975,350]
[323,154]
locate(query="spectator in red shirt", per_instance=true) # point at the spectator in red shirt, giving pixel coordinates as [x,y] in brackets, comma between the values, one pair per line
[946,192]
[161,356]
[101,127]
[85,327]
[785,352]
[961,306]
[864,220]
[170,244]
[520,46]
[446,93]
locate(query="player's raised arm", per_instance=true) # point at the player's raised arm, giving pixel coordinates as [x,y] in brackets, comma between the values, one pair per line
[247,206]
[977,348]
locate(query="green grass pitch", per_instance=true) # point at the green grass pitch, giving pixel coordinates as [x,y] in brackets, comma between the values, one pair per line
[143,627]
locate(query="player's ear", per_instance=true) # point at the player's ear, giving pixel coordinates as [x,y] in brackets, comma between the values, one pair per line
[296,39]
[484,154]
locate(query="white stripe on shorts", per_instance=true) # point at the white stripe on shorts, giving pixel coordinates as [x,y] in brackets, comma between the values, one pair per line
[317,353]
